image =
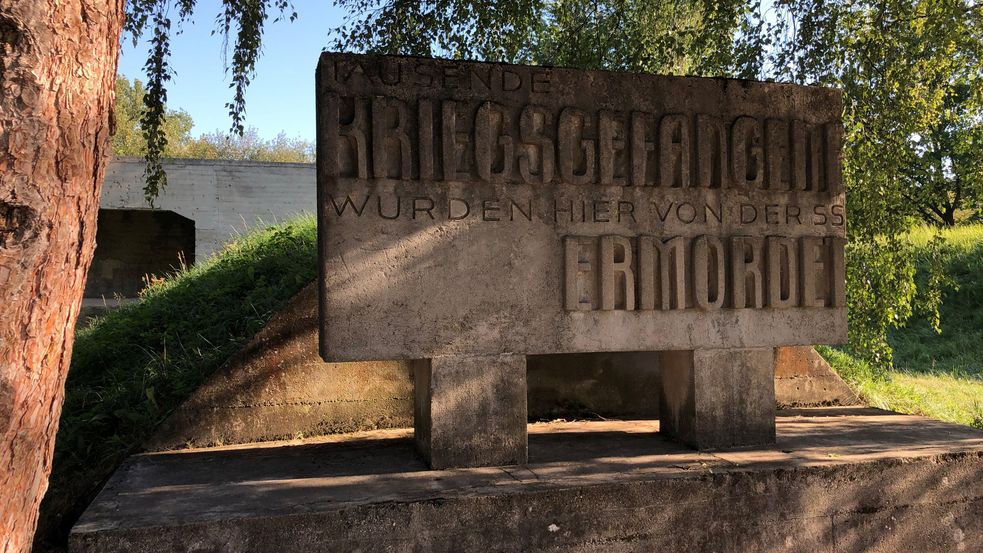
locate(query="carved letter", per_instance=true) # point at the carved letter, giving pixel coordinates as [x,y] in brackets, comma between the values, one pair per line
[536,146]
[574,147]
[646,273]
[674,148]
[388,76]
[490,124]
[641,146]
[834,171]
[451,202]
[814,177]
[383,133]
[340,210]
[453,143]
[423,208]
[611,143]
[746,163]
[425,135]
[355,164]
[800,156]
[782,271]
[777,153]
[577,263]
[811,252]
[616,276]
[661,268]
[747,284]
[711,154]
[383,215]
[708,272]
[837,273]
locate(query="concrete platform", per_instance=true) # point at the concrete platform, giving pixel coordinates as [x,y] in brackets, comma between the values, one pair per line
[839,479]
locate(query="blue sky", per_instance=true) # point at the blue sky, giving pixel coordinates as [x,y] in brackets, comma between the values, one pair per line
[280,98]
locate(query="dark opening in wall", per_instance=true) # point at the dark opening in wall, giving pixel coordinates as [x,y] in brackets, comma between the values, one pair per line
[131,243]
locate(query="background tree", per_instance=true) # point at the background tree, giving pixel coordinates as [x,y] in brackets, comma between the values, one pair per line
[128,139]
[249,146]
[945,175]
[901,65]
[668,37]
[910,72]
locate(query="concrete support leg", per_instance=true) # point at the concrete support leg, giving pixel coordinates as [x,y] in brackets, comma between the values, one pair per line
[470,411]
[716,398]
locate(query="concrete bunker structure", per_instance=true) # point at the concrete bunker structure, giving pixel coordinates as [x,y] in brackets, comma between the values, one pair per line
[133,243]
[205,205]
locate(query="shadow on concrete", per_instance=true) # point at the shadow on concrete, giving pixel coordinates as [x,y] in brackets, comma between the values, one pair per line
[860,482]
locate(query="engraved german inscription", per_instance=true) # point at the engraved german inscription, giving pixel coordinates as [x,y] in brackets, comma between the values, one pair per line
[529,143]
[703,272]
[474,208]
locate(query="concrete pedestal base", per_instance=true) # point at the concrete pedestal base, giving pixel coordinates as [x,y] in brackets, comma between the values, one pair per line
[838,480]
[470,411]
[718,398]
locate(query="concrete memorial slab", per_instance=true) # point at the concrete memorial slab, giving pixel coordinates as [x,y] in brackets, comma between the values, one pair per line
[471,214]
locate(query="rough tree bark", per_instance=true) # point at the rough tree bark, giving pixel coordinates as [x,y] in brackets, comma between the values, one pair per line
[57,68]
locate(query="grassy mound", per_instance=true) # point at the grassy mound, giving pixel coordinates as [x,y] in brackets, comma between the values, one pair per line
[937,375]
[133,366]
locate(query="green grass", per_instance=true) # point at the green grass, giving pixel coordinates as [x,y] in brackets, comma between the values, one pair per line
[937,375]
[135,365]
[966,237]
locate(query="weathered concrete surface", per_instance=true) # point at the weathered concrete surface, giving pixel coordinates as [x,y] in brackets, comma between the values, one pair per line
[719,397]
[570,211]
[217,199]
[470,411]
[838,480]
[278,387]
[804,378]
[621,385]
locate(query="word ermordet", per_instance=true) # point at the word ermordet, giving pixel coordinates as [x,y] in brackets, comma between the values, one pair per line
[472,208]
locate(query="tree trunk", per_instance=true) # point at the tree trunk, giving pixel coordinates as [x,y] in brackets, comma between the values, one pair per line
[949,217]
[57,68]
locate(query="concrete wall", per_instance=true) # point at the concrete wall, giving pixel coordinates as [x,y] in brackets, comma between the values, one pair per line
[132,243]
[221,197]
[278,387]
